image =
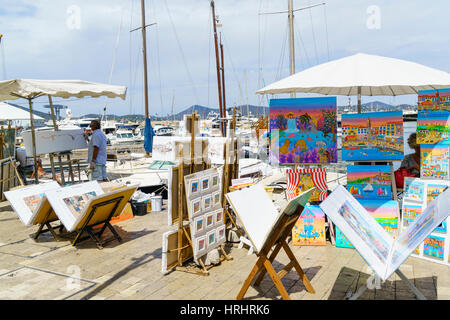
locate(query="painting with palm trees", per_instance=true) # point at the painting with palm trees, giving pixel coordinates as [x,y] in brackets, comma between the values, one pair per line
[303,130]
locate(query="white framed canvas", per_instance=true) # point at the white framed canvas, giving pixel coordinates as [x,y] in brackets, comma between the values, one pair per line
[70,202]
[25,201]
[218,216]
[205,183]
[206,202]
[217,198]
[220,234]
[198,225]
[210,220]
[215,181]
[200,246]
[211,238]
[194,187]
[48,141]
[196,207]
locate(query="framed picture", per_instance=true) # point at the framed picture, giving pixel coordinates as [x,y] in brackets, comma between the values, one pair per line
[194,187]
[219,216]
[220,233]
[207,202]
[205,183]
[215,180]
[216,198]
[211,237]
[196,206]
[210,220]
[199,224]
[200,246]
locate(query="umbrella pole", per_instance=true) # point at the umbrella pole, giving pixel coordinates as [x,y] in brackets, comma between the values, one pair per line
[359,99]
[53,113]
[33,138]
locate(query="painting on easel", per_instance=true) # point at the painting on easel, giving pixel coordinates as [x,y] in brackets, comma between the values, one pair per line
[309,229]
[374,136]
[369,182]
[435,161]
[433,127]
[307,130]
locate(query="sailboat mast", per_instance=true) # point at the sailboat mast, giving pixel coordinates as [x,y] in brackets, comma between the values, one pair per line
[224,106]
[144,51]
[219,86]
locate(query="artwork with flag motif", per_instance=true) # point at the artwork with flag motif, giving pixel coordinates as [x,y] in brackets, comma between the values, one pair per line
[300,180]
[309,230]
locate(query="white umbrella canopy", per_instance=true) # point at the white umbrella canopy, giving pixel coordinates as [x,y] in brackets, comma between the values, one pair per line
[30,88]
[362,74]
[9,112]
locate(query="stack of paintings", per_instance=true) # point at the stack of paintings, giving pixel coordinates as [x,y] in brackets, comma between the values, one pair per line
[418,195]
[371,187]
[303,130]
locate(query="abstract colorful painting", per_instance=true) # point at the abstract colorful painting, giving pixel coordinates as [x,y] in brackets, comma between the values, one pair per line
[414,190]
[433,247]
[77,203]
[303,130]
[433,127]
[300,180]
[369,182]
[434,100]
[434,161]
[410,213]
[309,230]
[372,136]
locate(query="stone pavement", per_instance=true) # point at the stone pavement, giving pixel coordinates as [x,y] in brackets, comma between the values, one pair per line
[47,269]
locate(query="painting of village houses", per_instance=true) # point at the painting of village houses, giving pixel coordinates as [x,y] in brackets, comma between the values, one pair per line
[433,127]
[369,182]
[434,161]
[304,130]
[434,100]
[309,229]
[372,136]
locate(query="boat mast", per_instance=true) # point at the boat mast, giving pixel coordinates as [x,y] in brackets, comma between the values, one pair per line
[291,39]
[219,85]
[224,105]
[144,51]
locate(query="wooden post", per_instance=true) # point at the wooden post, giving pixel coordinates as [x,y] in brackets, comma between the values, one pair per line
[33,138]
[180,204]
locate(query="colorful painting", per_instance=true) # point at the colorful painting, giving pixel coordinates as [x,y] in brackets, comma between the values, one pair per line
[341,240]
[433,127]
[433,246]
[33,201]
[309,230]
[410,213]
[207,202]
[77,203]
[199,224]
[215,180]
[196,206]
[434,100]
[194,186]
[216,198]
[442,227]
[219,216]
[369,182]
[434,161]
[220,233]
[434,190]
[209,220]
[414,190]
[200,244]
[303,130]
[372,136]
[211,237]
[205,184]
[300,180]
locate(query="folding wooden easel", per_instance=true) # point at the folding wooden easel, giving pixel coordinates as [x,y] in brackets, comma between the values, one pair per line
[277,239]
[44,217]
[100,212]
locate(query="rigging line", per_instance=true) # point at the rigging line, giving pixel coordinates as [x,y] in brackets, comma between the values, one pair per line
[302,42]
[158,58]
[326,30]
[130,55]
[2,46]
[209,56]
[182,53]
[313,34]
[283,52]
[234,69]
[261,41]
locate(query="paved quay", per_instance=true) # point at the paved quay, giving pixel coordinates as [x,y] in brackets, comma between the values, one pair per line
[52,270]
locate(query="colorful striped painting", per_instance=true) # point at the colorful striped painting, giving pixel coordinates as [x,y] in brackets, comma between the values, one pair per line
[300,180]
[309,230]
[369,182]
[303,130]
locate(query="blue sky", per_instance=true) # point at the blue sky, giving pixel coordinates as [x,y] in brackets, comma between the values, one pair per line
[41,42]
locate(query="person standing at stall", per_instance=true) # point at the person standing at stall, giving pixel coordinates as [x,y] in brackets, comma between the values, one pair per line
[97,152]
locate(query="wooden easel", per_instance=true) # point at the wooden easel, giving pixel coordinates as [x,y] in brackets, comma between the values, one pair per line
[13,163]
[277,239]
[184,238]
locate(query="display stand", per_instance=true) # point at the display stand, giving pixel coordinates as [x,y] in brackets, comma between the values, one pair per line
[363,289]
[184,240]
[69,162]
[277,239]
[45,216]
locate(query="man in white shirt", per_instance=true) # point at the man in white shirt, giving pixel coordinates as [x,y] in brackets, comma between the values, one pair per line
[97,152]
